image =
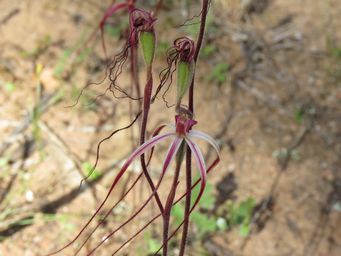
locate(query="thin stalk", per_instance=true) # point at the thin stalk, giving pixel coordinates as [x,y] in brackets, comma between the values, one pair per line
[205,4]
[170,199]
[187,201]
[108,213]
[130,218]
[158,7]
[146,107]
[209,169]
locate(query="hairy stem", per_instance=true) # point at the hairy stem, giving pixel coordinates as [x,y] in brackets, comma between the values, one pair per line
[200,39]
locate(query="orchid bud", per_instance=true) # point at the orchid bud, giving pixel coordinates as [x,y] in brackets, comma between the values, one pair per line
[142,28]
[185,72]
[185,49]
[147,40]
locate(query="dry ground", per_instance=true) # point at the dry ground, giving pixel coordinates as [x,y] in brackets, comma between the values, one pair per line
[277,117]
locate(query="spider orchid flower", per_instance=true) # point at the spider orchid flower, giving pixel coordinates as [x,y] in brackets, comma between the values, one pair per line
[182,131]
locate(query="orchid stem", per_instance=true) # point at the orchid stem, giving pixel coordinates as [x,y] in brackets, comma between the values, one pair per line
[146,106]
[170,199]
[205,4]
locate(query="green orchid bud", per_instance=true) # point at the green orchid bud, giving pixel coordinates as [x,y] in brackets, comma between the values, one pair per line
[147,40]
[184,78]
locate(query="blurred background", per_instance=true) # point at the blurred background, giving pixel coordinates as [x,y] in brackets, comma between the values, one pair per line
[268,88]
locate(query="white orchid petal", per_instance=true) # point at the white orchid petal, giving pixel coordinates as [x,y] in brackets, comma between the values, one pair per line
[146,146]
[199,159]
[173,149]
[205,137]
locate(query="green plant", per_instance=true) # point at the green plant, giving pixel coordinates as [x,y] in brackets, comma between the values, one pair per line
[203,222]
[192,26]
[67,59]
[285,153]
[3,163]
[36,111]
[299,115]
[92,175]
[240,215]
[208,51]
[41,45]
[116,31]
[86,100]
[9,86]
[219,73]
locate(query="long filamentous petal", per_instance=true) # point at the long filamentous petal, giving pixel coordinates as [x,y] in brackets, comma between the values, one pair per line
[174,147]
[199,159]
[139,151]
[169,157]
[145,146]
[206,137]
[196,134]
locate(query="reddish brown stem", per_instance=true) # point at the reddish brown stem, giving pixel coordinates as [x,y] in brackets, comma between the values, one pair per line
[187,201]
[158,7]
[191,209]
[146,107]
[170,199]
[205,4]
[209,169]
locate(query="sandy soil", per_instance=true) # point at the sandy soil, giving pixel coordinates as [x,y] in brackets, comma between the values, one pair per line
[277,118]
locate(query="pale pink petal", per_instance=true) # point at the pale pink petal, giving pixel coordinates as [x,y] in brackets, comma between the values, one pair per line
[146,146]
[173,149]
[199,159]
[206,137]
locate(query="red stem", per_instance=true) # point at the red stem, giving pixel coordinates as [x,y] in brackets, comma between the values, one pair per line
[209,169]
[146,107]
[170,200]
[192,208]
[200,39]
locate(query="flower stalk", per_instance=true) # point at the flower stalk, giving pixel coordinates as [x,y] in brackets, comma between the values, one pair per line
[143,23]
[204,11]
[170,199]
